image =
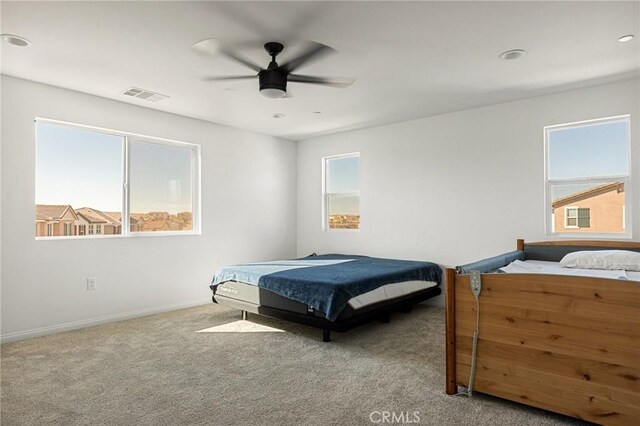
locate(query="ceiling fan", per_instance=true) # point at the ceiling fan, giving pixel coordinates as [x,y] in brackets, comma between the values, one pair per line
[273,80]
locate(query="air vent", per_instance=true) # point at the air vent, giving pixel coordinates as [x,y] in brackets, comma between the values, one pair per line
[144,94]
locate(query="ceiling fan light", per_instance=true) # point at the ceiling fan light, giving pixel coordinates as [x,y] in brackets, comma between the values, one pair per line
[273,93]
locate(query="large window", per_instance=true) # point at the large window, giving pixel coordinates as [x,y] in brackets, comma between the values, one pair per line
[341,198]
[95,183]
[587,173]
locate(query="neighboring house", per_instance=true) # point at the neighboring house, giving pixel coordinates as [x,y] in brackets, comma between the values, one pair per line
[136,223]
[598,209]
[55,220]
[135,220]
[162,225]
[155,216]
[96,222]
[63,220]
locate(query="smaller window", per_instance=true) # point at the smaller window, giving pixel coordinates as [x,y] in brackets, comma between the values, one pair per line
[576,217]
[91,230]
[49,229]
[587,178]
[571,217]
[341,200]
[98,229]
[67,229]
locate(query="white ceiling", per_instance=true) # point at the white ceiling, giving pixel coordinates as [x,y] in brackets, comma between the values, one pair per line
[411,59]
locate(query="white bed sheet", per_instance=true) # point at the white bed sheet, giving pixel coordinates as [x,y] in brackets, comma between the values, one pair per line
[544,267]
[389,291]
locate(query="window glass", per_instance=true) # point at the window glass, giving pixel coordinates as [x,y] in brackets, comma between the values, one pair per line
[342,192]
[589,150]
[588,176]
[343,174]
[75,169]
[344,212]
[160,187]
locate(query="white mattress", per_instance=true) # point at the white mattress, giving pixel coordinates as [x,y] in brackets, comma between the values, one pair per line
[554,268]
[389,291]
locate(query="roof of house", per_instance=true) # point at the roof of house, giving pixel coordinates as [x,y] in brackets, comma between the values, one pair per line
[161,224]
[53,212]
[114,215]
[133,217]
[96,216]
[588,193]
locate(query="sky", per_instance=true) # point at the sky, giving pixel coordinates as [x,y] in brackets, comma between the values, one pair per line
[84,169]
[591,150]
[160,178]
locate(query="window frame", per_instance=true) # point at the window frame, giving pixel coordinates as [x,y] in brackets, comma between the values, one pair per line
[196,179]
[326,196]
[625,179]
[566,217]
[576,217]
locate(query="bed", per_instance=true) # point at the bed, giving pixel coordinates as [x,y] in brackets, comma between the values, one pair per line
[334,292]
[565,343]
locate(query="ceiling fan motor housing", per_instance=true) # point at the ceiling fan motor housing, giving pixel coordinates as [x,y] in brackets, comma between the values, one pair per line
[273,79]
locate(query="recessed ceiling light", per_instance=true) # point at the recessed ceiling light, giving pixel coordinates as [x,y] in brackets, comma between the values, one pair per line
[317,112]
[15,40]
[627,37]
[278,115]
[512,54]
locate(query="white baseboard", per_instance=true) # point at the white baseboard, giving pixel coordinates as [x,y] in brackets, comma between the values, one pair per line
[42,331]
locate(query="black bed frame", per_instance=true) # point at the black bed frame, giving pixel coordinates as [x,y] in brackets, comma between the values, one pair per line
[400,304]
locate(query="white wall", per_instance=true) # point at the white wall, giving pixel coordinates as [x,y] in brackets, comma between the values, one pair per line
[457,187]
[248,214]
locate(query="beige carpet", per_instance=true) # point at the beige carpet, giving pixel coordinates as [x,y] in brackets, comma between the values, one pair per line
[159,370]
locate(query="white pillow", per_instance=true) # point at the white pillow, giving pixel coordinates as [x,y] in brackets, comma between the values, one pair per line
[602,259]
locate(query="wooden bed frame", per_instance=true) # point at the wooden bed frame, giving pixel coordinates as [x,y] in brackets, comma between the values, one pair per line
[562,343]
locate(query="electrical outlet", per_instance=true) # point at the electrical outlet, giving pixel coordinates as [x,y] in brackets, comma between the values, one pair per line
[91,283]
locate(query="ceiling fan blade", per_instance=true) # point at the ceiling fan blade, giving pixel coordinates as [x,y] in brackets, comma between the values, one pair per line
[327,81]
[212,46]
[312,52]
[228,77]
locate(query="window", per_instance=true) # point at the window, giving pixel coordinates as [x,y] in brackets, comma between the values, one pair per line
[587,178]
[49,229]
[341,198]
[114,183]
[575,217]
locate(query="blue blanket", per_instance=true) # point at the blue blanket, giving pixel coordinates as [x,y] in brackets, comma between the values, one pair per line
[329,281]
